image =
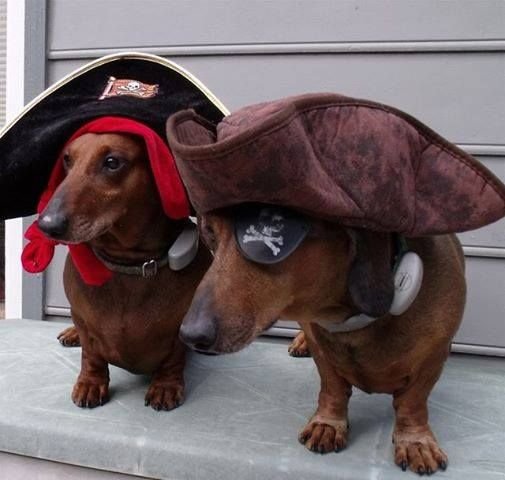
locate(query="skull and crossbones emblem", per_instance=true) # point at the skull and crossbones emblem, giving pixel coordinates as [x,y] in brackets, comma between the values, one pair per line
[125,86]
[130,87]
[266,231]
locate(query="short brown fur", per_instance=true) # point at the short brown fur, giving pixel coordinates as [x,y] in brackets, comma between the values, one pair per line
[402,356]
[130,321]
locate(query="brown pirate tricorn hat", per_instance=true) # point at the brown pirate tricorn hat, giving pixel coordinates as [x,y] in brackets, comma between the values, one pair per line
[343,159]
[143,87]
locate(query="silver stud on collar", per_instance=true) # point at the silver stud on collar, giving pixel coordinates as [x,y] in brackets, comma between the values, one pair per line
[150,269]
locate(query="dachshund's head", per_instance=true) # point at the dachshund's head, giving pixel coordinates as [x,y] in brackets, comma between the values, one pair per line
[108,188]
[331,269]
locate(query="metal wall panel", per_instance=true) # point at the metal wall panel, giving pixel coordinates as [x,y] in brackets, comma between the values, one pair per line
[484,320]
[155,23]
[459,95]
[443,62]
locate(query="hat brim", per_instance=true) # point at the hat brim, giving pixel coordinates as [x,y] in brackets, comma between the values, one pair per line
[31,142]
[345,160]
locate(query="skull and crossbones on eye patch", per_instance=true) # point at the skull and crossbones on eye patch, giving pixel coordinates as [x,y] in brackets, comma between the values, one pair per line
[269,225]
[268,234]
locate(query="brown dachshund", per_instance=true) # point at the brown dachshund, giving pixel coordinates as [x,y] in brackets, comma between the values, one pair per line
[109,201]
[334,273]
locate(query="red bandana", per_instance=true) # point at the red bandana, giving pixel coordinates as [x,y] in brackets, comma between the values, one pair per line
[39,252]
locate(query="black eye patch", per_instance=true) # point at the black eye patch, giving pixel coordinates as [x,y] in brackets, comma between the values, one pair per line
[268,234]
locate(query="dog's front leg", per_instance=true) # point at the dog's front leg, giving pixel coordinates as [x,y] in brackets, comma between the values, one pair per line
[166,390]
[327,430]
[92,386]
[415,445]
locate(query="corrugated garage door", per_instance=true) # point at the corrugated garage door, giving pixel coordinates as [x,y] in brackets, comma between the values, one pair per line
[443,62]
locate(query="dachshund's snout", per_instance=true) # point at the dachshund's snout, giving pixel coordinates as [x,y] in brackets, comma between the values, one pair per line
[199,334]
[199,328]
[54,223]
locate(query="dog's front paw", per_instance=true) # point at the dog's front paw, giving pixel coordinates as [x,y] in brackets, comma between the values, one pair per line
[90,395]
[69,337]
[299,347]
[419,451]
[165,396]
[322,437]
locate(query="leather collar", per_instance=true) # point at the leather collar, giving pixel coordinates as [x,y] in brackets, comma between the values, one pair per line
[146,269]
[180,254]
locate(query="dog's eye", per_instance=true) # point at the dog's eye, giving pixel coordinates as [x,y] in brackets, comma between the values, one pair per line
[112,163]
[66,161]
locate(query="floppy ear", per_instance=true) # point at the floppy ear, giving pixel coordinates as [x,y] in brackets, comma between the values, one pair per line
[370,282]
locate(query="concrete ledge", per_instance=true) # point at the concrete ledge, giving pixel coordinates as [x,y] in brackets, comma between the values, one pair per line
[240,420]
[17,467]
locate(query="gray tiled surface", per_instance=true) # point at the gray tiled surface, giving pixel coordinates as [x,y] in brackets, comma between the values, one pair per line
[240,419]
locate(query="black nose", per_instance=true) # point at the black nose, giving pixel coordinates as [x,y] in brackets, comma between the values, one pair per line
[53,224]
[198,333]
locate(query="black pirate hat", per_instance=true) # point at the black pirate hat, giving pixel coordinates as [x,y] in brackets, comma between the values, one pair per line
[143,87]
